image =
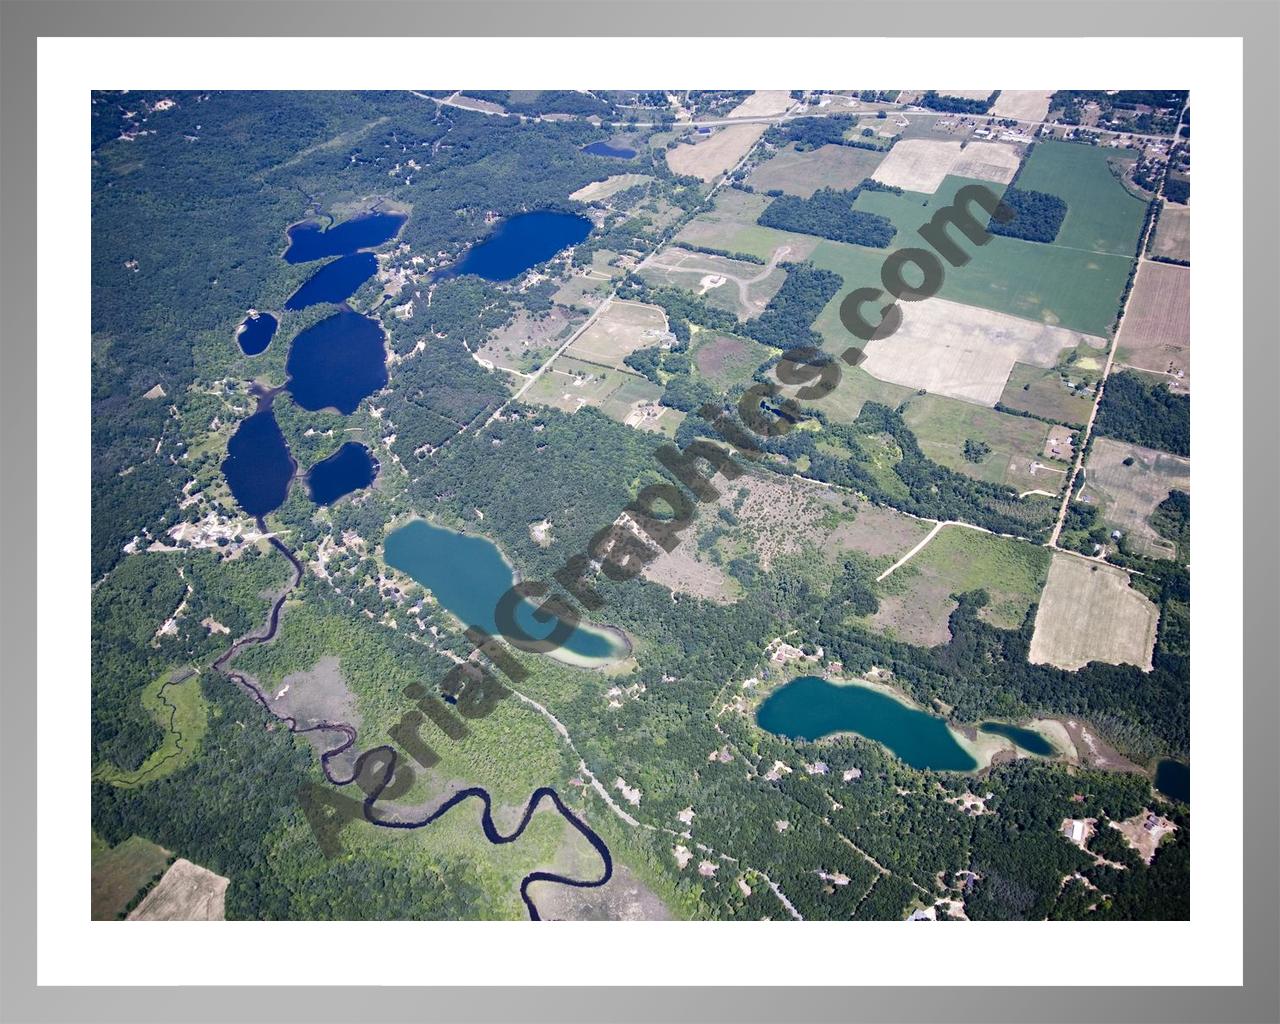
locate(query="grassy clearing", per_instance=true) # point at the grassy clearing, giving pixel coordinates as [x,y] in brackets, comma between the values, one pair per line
[121,872]
[1126,495]
[727,361]
[1042,392]
[803,173]
[179,709]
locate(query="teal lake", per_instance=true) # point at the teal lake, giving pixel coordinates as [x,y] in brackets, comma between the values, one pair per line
[809,708]
[1028,739]
[468,575]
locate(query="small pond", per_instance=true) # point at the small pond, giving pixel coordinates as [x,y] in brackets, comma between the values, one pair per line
[348,469]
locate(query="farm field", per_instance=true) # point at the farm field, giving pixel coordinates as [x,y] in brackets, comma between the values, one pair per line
[716,153]
[731,225]
[1156,332]
[1127,495]
[1173,233]
[964,352]
[763,102]
[803,173]
[608,187]
[1021,104]
[1049,284]
[620,329]
[1042,392]
[942,425]
[187,892]
[921,165]
[916,601]
[1089,612]
[726,361]
[1102,216]
[120,872]
[737,287]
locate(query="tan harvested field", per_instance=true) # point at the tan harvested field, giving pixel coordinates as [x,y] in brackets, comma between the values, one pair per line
[965,352]
[920,165]
[589,193]
[470,103]
[803,173]
[621,328]
[1021,104]
[763,102]
[526,342]
[187,892]
[715,153]
[1089,612]
[1173,233]
[1127,495]
[737,287]
[1156,331]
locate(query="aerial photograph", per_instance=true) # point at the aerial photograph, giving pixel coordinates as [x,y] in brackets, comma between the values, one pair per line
[681,505]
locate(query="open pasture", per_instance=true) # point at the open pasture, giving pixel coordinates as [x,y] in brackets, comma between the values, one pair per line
[1021,104]
[1127,495]
[731,225]
[711,155]
[726,361]
[803,173]
[1173,233]
[921,165]
[737,287]
[120,872]
[916,599]
[962,351]
[187,892]
[1017,443]
[524,343]
[1089,612]
[621,328]
[1155,334]
[1045,392]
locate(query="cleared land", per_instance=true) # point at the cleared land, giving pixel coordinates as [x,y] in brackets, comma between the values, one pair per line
[715,153]
[921,165]
[1021,104]
[1018,456]
[610,186]
[964,352]
[569,384]
[916,599]
[726,361]
[620,329]
[1127,495]
[1064,393]
[803,173]
[525,343]
[737,287]
[1156,332]
[1088,612]
[187,892]
[1173,233]
[120,872]
[763,102]
[731,225]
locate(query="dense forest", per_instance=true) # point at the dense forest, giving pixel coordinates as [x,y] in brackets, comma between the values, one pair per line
[1145,412]
[1037,216]
[957,104]
[829,213]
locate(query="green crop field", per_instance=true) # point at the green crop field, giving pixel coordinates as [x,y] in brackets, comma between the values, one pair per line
[1102,215]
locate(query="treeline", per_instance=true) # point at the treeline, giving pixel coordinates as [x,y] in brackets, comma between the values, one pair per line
[814,132]
[829,213]
[546,101]
[956,104]
[1146,413]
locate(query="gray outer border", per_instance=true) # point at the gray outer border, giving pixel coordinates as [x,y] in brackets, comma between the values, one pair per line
[1257,22]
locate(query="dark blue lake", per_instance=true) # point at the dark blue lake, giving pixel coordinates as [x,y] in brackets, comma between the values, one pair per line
[521,242]
[808,708]
[337,362]
[604,149]
[348,469]
[255,333]
[309,241]
[1173,779]
[258,466]
[468,575]
[1028,739]
[334,282]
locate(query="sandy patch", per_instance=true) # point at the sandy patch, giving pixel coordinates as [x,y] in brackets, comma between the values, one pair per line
[1089,612]
[1144,832]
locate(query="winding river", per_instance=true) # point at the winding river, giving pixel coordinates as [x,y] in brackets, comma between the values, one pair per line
[385,758]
